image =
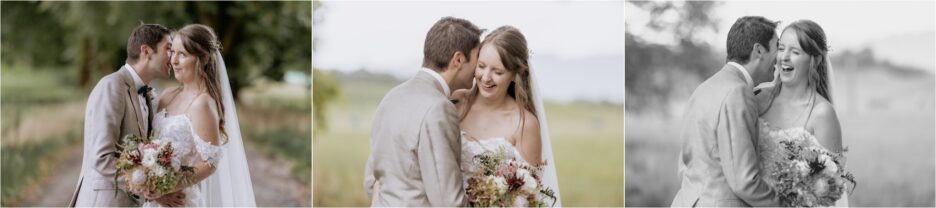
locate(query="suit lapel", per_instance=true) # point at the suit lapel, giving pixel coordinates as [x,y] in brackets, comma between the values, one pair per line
[134,100]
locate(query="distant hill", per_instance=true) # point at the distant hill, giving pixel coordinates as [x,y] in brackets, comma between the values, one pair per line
[912,50]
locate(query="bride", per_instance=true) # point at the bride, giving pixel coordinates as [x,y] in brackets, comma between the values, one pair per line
[504,109]
[799,105]
[200,120]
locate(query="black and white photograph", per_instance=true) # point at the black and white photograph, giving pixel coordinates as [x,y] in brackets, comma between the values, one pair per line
[772,104]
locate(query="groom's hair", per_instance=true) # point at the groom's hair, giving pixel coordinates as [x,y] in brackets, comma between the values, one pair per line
[747,31]
[447,36]
[149,34]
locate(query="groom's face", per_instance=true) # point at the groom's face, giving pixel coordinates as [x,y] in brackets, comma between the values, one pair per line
[160,59]
[765,71]
[466,72]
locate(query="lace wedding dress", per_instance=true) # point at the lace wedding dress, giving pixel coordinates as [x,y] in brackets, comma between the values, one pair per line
[472,147]
[189,148]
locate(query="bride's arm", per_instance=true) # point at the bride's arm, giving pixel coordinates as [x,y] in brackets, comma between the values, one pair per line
[826,127]
[205,118]
[530,143]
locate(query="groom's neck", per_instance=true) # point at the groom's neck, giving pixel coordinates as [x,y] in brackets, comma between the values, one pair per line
[751,68]
[140,69]
[449,77]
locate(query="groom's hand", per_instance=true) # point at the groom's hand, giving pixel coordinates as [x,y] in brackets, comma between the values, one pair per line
[175,199]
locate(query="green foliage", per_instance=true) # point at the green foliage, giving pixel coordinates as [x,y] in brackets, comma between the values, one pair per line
[325,89]
[656,72]
[259,39]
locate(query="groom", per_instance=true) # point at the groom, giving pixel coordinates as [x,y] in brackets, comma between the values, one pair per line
[121,104]
[718,163]
[415,147]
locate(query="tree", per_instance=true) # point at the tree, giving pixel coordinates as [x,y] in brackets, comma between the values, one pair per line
[259,39]
[325,88]
[654,71]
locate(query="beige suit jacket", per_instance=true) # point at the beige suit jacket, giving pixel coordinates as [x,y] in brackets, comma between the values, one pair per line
[113,111]
[718,162]
[414,147]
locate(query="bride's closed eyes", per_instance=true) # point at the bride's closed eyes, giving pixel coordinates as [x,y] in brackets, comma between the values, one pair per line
[483,66]
[781,48]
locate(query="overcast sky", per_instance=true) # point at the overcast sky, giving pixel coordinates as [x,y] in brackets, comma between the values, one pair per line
[577,46]
[900,31]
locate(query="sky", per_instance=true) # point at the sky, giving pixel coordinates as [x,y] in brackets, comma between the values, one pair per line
[899,31]
[577,46]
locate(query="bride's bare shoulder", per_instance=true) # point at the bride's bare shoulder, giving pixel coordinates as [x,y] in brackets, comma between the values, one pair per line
[204,115]
[825,125]
[531,127]
[531,140]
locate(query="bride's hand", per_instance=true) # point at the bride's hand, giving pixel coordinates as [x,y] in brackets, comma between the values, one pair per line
[175,199]
[459,94]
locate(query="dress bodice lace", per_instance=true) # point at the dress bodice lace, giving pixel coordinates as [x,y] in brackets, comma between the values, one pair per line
[472,147]
[189,149]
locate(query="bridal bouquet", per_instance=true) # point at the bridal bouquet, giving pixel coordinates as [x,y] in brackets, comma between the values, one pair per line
[503,181]
[810,176]
[146,166]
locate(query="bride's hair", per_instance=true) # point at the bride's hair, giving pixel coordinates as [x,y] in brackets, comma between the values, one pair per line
[813,41]
[201,41]
[512,47]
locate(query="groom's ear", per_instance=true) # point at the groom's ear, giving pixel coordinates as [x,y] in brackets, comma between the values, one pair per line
[145,52]
[456,61]
[757,51]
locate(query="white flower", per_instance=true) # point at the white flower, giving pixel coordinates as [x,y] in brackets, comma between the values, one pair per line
[159,170]
[149,158]
[802,167]
[522,173]
[500,182]
[520,201]
[830,167]
[821,186]
[139,176]
[529,184]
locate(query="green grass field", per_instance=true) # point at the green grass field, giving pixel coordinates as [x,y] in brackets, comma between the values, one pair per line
[587,143]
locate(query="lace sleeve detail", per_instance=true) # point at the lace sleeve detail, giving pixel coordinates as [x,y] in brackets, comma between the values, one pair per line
[208,152]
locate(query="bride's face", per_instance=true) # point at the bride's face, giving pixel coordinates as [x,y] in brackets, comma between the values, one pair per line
[794,62]
[491,76]
[183,62]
